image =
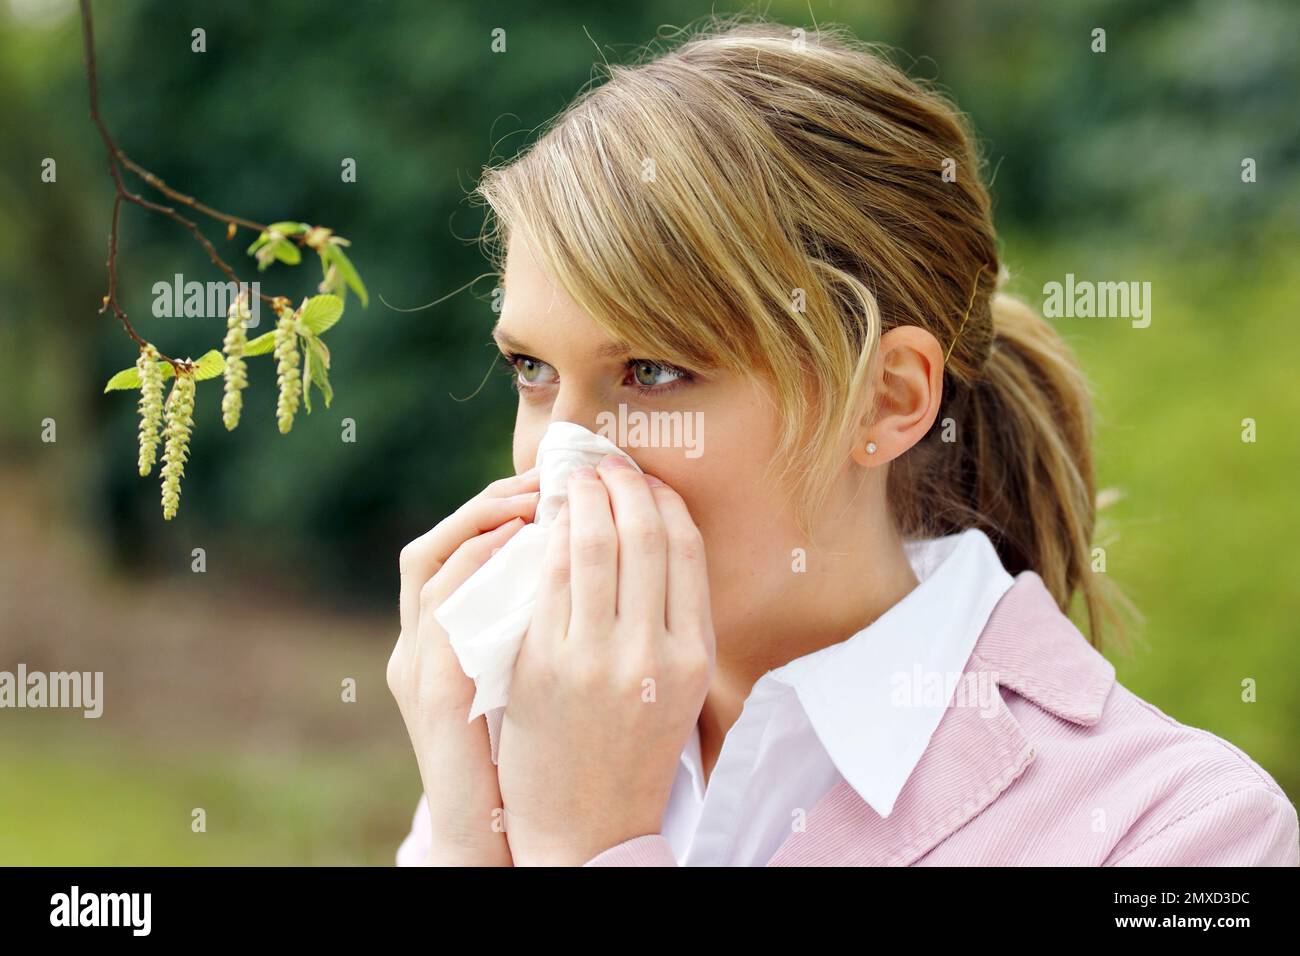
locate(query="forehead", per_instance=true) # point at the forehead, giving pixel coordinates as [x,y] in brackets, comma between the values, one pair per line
[539,314]
[526,278]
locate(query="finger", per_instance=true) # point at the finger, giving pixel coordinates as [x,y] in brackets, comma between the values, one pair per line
[593,555]
[421,559]
[463,562]
[431,653]
[688,577]
[642,543]
[512,485]
[551,615]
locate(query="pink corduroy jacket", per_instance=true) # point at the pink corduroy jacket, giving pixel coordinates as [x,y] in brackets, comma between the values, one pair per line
[1070,769]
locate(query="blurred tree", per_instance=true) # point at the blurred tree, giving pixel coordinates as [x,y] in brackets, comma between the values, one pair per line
[414,94]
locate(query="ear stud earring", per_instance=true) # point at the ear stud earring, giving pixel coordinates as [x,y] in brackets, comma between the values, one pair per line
[871,448]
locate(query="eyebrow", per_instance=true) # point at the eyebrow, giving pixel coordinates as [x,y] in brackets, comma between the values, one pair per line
[607,350]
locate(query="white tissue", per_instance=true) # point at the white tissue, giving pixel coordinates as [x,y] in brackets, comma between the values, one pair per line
[487,617]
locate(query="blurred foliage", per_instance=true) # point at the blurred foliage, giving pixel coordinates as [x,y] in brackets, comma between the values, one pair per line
[1141,143]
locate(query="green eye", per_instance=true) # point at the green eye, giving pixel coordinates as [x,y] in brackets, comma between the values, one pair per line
[648,374]
[529,369]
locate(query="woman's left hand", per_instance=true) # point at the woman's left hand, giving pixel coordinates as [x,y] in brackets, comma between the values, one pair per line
[612,673]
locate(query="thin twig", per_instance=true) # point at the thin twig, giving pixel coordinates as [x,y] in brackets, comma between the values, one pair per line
[190,201]
[117,160]
[110,300]
[201,239]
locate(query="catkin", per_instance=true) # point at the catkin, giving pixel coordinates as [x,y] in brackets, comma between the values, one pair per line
[180,420]
[151,405]
[236,372]
[288,376]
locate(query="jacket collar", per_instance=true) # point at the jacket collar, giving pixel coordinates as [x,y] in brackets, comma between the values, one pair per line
[1027,646]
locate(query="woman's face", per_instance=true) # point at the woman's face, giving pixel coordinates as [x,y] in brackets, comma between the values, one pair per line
[569,369]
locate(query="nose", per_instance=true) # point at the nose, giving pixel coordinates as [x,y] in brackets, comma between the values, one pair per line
[595,416]
[573,406]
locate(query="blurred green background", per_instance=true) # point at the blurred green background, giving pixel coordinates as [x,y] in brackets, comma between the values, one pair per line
[223,689]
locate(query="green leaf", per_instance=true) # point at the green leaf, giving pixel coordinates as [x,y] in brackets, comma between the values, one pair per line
[321,312]
[287,252]
[281,249]
[349,273]
[317,346]
[318,360]
[283,228]
[212,364]
[130,377]
[337,287]
[306,386]
[261,345]
[127,378]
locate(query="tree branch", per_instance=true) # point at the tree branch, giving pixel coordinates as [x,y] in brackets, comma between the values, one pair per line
[117,161]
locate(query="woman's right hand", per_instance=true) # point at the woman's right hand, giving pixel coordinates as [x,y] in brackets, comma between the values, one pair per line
[434,694]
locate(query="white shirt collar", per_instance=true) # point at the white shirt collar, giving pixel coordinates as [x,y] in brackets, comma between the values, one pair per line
[876,698]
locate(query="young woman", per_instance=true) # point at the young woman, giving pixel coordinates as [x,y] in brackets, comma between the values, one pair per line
[836,633]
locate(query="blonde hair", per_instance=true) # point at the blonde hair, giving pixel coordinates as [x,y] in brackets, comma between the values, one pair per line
[770,204]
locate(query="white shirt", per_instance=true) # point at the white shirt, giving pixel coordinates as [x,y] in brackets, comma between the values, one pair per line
[862,710]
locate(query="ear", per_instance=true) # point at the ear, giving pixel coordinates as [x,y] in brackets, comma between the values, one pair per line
[908,388]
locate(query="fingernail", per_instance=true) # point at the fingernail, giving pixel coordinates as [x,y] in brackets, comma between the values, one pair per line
[654,482]
[586,471]
[614,461]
